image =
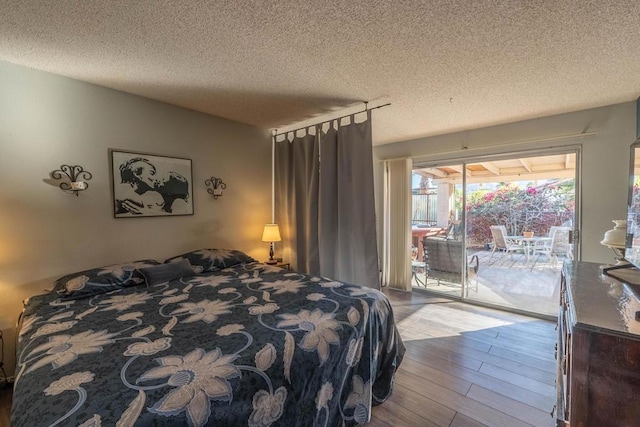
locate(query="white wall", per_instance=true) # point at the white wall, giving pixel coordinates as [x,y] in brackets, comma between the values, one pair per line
[605,159]
[47,120]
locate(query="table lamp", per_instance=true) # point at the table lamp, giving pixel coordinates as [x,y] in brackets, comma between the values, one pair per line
[615,239]
[270,235]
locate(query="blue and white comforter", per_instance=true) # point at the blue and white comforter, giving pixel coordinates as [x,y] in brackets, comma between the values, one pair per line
[249,345]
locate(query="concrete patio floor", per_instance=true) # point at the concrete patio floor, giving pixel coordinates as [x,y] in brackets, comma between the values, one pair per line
[509,281]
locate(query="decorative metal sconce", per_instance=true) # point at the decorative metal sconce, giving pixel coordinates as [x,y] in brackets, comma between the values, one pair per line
[75,174]
[216,185]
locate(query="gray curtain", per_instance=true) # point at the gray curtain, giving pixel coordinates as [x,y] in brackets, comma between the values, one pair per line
[325,203]
[296,174]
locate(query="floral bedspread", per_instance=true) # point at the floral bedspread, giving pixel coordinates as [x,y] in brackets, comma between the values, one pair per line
[249,345]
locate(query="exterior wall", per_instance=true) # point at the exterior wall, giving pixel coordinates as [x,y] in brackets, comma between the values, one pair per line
[445,203]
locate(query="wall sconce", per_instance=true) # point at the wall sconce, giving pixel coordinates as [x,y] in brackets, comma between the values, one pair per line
[217,185]
[75,174]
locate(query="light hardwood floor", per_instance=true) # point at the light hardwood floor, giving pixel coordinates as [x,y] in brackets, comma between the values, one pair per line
[469,366]
[464,366]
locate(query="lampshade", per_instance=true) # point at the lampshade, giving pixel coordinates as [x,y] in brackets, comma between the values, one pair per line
[271,233]
[615,238]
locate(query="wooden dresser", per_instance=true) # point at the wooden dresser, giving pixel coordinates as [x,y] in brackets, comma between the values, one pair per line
[598,348]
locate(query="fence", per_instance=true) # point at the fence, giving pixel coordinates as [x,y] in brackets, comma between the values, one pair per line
[425,207]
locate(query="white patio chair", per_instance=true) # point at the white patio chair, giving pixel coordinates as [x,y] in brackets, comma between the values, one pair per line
[502,242]
[558,245]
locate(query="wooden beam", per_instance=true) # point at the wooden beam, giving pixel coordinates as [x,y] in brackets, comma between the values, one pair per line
[491,168]
[508,177]
[422,173]
[432,172]
[526,164]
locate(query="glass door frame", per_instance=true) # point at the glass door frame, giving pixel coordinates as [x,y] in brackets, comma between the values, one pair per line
[575,149]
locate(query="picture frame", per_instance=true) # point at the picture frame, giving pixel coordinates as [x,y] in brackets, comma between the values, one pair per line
[148,185]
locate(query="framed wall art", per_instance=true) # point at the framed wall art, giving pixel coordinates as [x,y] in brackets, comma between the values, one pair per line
[150,185]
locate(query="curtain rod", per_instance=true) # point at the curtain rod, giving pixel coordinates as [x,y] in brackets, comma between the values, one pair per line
[439,155]
[366,108]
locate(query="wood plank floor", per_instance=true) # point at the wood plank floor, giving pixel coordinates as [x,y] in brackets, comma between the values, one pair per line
[5,405]
[464,366]
[469,366]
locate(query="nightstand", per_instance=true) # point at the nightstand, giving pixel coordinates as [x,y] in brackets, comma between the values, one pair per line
[281,264]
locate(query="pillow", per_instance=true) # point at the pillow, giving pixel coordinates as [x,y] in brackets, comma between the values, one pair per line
[212,259]
[166,272]
[100,280]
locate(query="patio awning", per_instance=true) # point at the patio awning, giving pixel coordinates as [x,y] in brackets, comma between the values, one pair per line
[516,169]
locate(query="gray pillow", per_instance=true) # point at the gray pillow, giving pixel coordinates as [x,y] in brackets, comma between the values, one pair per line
[213,259]
[166,272]
[101,279]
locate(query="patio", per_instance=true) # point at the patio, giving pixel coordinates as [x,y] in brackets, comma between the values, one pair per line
[508,280]
[521,194]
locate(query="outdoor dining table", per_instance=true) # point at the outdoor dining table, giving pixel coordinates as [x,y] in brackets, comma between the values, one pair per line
[529,243]
[418,233]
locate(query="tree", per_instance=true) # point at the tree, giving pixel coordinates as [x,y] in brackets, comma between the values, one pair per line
[534,208]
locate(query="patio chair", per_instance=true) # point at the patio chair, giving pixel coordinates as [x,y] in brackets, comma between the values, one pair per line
[417,266]
[502,242]
[558,245]
[443,261]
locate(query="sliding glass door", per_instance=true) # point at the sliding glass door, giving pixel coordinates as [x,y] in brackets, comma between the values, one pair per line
[437,230]
[496,230]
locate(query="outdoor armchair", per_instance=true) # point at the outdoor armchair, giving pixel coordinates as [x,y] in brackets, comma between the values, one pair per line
[502,242]
[557,245]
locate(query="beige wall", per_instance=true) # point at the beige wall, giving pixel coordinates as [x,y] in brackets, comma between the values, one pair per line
[47,120]
[605,159]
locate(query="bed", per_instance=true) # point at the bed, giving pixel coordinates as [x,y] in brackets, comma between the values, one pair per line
[207,338]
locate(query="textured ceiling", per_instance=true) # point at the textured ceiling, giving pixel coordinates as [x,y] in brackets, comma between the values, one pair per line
[444,65]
